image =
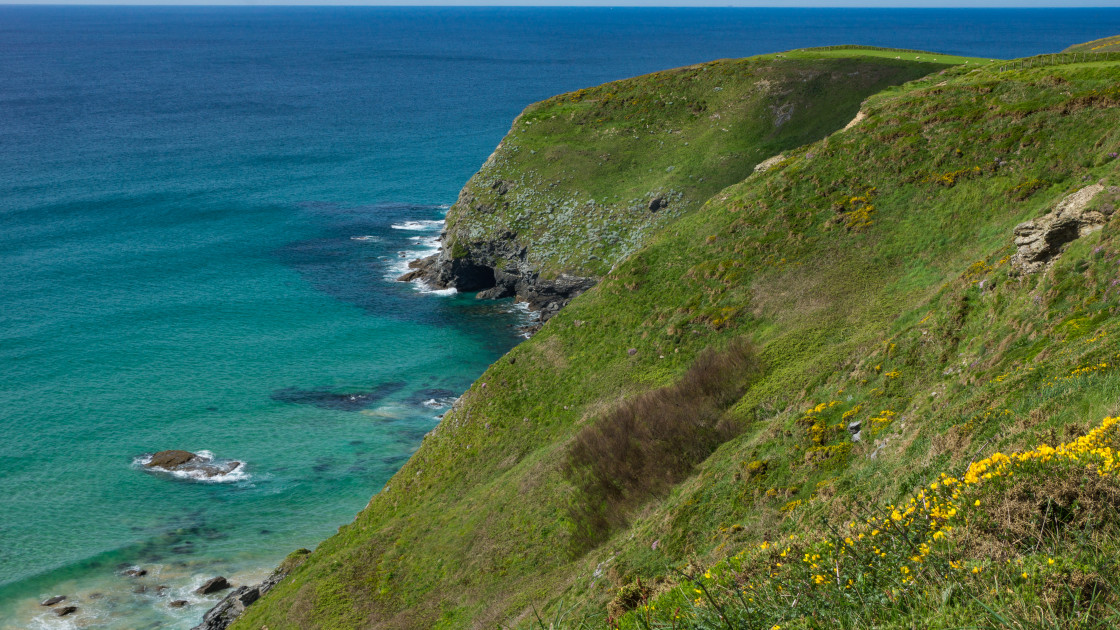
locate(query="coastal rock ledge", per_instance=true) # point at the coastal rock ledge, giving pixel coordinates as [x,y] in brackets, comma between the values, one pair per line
[222,615]
[476,271]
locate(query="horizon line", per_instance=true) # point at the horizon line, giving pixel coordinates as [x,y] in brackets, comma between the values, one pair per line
[609,4]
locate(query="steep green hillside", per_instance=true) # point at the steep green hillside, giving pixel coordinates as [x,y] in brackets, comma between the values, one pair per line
[583,179]
[697,405]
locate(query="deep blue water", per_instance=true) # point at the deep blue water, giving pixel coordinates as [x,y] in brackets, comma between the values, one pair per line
[197,241]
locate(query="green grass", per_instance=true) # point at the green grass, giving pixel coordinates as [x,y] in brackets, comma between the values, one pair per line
[883,53]
[573,180]
[869,269]
[1107,44]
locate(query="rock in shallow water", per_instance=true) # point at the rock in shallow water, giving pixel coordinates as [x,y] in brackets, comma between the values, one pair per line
[234,603]
[65,610]
[198,465]
[213,586]
[53,600]
[179,603]
[170,460]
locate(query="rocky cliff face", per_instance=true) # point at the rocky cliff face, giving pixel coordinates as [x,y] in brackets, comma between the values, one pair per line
[488,271]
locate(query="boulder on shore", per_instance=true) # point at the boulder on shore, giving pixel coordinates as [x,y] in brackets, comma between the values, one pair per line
[234,603]
[213,586]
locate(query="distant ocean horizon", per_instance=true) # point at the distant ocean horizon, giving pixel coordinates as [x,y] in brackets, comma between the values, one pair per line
[202,213]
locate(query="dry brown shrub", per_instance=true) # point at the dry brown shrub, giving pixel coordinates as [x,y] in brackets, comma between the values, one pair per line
[1034,511]
[650,442]
[957,441]
[1074,593]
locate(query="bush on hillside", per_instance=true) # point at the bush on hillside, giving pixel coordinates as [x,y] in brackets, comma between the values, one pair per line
[649,443]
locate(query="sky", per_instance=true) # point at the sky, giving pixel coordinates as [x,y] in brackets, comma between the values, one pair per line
[623,3]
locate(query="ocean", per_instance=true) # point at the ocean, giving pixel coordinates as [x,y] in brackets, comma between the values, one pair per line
[202,213]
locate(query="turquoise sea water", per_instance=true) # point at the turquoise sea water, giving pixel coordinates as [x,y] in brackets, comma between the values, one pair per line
[201,213]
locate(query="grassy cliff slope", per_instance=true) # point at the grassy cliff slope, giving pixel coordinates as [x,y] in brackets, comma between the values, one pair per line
[872,277]
[583,179]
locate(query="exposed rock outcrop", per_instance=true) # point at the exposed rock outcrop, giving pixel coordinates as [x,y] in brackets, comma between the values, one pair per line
[230,608]
[1041,240]
[233,604]
[213,586]
[769,163]
[474,272]
[200,465]
[170,460]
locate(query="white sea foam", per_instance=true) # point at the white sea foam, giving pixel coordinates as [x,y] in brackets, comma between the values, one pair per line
[423,287]
[430,243]
[113,600]
[418,225]
[396,267]
[50,621]
[366,237]
[422,246]
[439,403]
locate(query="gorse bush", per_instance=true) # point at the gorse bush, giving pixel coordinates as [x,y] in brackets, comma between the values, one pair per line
[1021,540]
[652,441]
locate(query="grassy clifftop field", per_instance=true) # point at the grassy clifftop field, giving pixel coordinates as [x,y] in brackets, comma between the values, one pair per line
[783,408]
[1107,44]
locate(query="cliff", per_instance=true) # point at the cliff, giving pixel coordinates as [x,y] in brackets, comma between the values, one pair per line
[583,179]
[785,403]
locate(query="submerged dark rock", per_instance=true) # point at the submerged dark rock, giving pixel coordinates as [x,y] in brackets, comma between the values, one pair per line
[426,395]
[325,398]
[65,610]
[179,603]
